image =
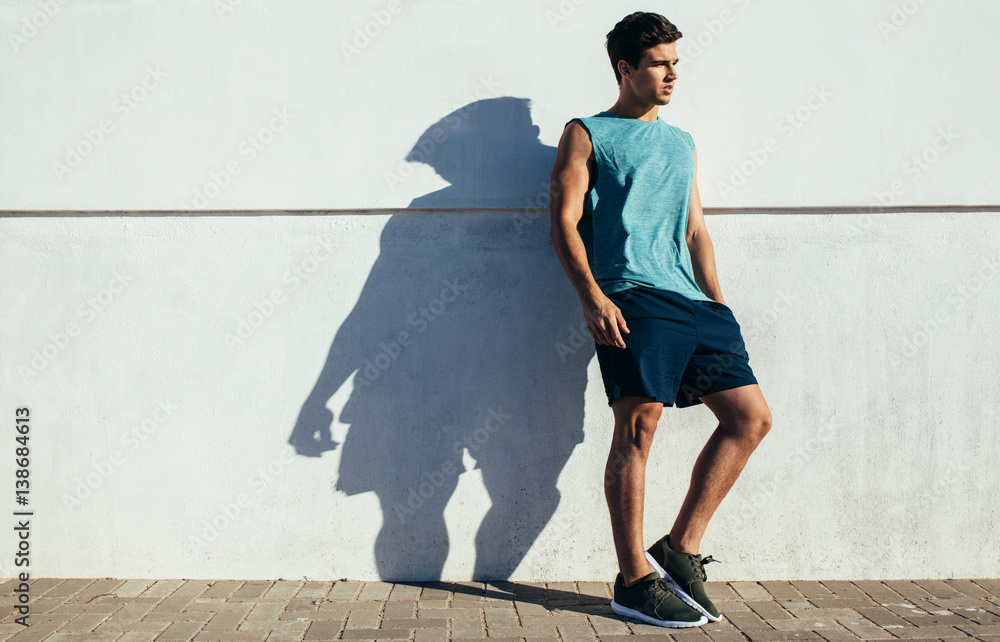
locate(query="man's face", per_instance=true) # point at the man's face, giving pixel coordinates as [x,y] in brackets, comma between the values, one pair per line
[653,81]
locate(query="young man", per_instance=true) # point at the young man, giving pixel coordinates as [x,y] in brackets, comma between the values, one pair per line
[644,270]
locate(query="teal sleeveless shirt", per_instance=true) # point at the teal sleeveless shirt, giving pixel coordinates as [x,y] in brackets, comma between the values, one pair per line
[635,217]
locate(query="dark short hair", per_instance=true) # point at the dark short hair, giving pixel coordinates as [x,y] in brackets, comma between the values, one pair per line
[636,33]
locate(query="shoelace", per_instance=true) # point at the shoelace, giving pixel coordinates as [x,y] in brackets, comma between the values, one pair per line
[699,566]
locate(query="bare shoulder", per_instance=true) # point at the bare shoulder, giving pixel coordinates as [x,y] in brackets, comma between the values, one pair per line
[575,151]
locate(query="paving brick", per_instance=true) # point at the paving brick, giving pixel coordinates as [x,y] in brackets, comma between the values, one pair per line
[992,586]
[501,618]
[882,616]
[841,635]
[350,606]
[306,605]
[82,637]
[333,616]
[750,590]
[375,591]
[231,636]
[45,584]
[322,630]
[85,622]
[841,603]
[225,620]
[253,590]
[344,591]
[525,632]
[747,622]
[404,593]
[812,590]
[769,610]
[413,623]
[865,629]
[878,591]
[201,604]
[284,636]
[279,625]
[722,632]
[781,590]
[93,591]
[530,608]
[234,636]
[67,588]
[594,592]
[363,620]
[467,628]
[137,636]
[266,611]
[805,624]
[399,610]
[576,634]
[201,617]
[282,591]
[684,635]
[314,590]
[768,636]
[430,635]
[180,631]
[162,588]
[908,589]
[607,625]
[133,588]
[449,613]
[376,634]
[222,589]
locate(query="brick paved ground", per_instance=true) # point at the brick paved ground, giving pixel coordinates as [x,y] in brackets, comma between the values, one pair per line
[168,610]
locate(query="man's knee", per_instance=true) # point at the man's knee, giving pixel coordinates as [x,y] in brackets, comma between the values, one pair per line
[635,425]
[758,425]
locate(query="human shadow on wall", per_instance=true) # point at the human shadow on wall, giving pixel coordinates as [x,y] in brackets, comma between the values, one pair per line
[466,338]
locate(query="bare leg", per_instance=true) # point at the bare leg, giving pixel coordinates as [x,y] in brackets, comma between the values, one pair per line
[744,420]
[625,479]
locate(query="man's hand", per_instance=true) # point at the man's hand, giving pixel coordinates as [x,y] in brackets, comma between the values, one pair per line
[605,321]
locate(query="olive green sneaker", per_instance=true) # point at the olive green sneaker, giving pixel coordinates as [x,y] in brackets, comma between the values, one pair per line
[685,573]
[651,600]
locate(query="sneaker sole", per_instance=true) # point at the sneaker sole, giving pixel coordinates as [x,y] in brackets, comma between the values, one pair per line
[681,593]
[670,624]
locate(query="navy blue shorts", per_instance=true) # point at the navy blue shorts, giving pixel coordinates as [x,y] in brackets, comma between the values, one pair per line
[676,351]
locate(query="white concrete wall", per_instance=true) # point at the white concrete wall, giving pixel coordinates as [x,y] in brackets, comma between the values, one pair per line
[157,105]
[219,393]
[160,443]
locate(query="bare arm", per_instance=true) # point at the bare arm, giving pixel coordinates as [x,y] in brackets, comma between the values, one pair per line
[568,188]
[700,245]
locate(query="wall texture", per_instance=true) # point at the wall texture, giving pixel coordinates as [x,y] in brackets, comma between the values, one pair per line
[408,395]
[310,104]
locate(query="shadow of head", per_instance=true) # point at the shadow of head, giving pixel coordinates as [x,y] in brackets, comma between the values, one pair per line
[489,152]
